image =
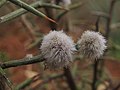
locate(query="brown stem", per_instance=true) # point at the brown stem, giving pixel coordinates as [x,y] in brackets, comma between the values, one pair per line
[97,24]
[112,4]
[117,87]
[70,79]
[50,14]
[95,66]
[96,62]
[47,80]
[67,72]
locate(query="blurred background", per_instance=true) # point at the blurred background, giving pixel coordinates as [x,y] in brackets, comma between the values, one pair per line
[22,36]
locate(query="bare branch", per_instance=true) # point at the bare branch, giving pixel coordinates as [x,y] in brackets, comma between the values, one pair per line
[112,4]
[20,62]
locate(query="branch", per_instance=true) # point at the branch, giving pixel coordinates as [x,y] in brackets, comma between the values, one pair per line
[96,62]
[97,24]
[100,14]
[117,87]
[95,69]
[70,79]
[29,27]
[50,79]
[41,82]
[27,82]
[25,61]
[112,4]
[20,62]
[50,13]
[115,25]
[71,7]
[22,11]
[31,9]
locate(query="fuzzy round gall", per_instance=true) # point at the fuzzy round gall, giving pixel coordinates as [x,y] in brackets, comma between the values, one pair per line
[92,44]
[57,49]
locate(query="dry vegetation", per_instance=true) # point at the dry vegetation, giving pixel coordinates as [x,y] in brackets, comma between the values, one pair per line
[22,36]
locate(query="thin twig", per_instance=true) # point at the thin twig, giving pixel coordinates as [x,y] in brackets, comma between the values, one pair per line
[70,79]
[95,68]
[107,32]
[27,82]
[24,61]
[31,9]
[51,78]
[50,13]
[48,79]
[70,8]
[22,11]
[96,62]
[100,14]
[97,24]
[110,18]
[28,26]
[117,87]
[106,35]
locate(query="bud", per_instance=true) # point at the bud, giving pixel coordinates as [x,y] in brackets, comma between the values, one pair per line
[92,44]
[57,49]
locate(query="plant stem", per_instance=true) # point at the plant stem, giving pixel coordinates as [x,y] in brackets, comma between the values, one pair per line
[70,8]
[117,87]
[70,79]
[21,62]
[112,4]
[31,9]
[50,13]
[97,24]
[22,11]
[108,22]
[95,66]
[47,80]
